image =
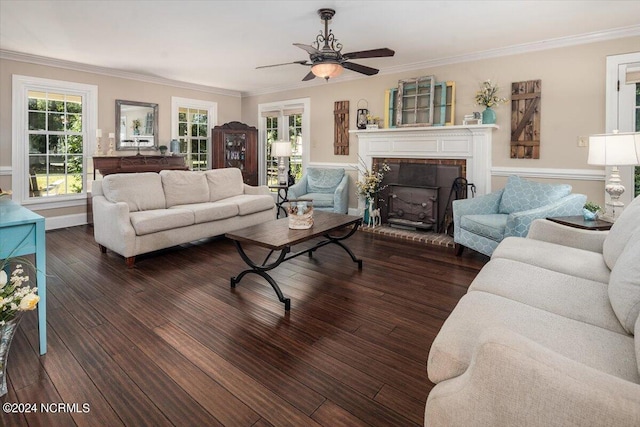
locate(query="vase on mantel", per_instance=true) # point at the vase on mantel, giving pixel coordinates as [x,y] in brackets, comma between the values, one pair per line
[7,331]
[488,116]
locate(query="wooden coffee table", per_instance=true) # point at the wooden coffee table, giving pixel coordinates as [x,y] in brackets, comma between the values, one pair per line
[277,236]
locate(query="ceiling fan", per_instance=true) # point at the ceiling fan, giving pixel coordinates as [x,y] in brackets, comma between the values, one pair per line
[325,57]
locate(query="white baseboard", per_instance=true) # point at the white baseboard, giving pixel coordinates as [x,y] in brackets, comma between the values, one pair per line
[64,221]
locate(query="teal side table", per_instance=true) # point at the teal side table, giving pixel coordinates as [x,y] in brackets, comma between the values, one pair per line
[22,233]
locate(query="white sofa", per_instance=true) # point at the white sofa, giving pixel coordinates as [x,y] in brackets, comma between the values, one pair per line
[143,212]
[547,335]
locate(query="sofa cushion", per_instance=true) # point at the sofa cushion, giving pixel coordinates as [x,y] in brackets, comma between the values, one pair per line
[563,259]
[320,200]
[636,339]
[248,204]
[141,191]
[567,295]
[211,211]
[620,232]
[477,311]
[522,195]
[184,187]
[323,180]
[152,221]
[624,284]
[223,183]
[490,226]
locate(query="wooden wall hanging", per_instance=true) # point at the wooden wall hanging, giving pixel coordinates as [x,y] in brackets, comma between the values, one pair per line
[341,128]
[525,119]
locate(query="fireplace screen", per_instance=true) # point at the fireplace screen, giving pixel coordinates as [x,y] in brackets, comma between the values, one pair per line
[415,207]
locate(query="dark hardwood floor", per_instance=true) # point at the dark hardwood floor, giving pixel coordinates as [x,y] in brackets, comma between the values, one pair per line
[170,343]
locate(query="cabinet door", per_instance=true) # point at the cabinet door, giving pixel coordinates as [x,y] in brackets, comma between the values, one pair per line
[235,150]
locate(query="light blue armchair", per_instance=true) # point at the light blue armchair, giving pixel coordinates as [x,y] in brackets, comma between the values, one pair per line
[328,188]
[481,223]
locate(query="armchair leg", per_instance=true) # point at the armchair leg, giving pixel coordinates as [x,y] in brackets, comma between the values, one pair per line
[458,249]
[130,261]
[103,249]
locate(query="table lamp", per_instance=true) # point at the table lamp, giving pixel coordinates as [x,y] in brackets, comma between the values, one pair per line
[280,150]
[614,149]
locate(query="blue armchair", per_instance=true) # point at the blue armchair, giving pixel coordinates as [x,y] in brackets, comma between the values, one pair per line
[481,223]
[328,188]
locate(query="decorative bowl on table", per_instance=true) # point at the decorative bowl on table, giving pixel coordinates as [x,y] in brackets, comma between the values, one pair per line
[300,214]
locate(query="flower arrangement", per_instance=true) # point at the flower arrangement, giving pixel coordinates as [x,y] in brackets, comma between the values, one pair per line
[371,119]
[370,182]
[15,296]
[488,95]
[136,124]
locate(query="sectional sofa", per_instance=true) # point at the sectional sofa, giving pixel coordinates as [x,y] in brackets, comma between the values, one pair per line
[143,212]
[547,335]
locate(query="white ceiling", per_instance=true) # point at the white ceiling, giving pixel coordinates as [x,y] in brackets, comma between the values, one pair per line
[220,43]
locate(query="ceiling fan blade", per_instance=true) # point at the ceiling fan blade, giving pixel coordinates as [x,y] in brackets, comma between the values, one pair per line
[285,63]
[360,68]
[373,53]
[310,49]
[309,76]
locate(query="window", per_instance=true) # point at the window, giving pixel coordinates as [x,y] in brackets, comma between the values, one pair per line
[283,120]
[191,123]
[51,123]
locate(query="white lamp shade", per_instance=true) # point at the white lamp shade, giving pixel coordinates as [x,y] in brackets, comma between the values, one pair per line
[327,70]
[616,149]
[281,149]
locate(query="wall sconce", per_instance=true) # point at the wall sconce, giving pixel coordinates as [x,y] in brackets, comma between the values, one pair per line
[280,150]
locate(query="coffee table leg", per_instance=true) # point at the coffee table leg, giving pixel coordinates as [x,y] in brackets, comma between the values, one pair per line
[261,270]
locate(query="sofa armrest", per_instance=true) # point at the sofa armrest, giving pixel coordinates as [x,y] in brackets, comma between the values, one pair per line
[259,190]
[481,205]
[518,222]
[298,189]
[552,232]
[341,196]
[515,381]
[112,226]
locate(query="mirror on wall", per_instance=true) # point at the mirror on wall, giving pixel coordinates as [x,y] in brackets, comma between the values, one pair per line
[136,125]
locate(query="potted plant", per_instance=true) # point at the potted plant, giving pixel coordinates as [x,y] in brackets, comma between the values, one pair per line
[590,211]
[163,149]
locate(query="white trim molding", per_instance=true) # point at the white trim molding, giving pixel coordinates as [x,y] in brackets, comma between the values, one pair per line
[550,173]
[6,170]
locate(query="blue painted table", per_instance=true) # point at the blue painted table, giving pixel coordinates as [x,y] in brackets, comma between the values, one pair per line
[22,233]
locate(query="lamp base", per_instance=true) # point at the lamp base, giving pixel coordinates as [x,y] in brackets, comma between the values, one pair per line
[614,189]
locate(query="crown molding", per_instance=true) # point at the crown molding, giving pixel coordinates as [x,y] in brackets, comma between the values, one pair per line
[616,33]
[112,72]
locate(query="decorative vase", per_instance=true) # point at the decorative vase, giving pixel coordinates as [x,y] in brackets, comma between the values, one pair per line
[588,215]
[7,331]
[365,212]
[488,116]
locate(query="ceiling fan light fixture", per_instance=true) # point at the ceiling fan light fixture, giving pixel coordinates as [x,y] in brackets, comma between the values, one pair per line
[327,70]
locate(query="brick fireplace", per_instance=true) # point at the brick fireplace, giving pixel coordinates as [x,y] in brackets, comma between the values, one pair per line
[431,157]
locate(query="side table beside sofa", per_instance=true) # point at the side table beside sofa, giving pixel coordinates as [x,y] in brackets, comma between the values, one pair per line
[136,213]
[548,333]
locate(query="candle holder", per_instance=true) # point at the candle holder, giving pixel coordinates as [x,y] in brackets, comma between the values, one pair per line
[98,147]
[111,143]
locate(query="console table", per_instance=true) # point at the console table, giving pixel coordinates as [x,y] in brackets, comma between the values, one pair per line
[107,165]
[22,233]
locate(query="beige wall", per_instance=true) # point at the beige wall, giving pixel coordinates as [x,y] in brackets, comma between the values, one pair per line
[573,104]
[109,89]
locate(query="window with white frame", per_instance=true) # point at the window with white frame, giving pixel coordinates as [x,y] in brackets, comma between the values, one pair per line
[285,120]
[51,124]
[191,124]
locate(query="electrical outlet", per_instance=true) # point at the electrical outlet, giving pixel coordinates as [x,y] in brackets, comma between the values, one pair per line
[583,141]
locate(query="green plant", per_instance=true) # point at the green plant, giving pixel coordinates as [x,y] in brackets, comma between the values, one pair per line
[592,207]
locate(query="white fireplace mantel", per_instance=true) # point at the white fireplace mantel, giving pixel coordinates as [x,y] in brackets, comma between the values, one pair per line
[472,143]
